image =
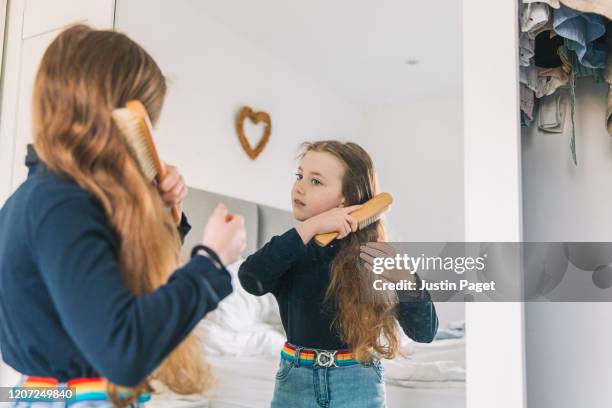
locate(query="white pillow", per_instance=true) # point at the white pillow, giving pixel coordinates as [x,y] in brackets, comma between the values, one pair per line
[242,324]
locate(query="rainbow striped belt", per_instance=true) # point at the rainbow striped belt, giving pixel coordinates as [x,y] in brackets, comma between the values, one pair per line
[316,357]
[86,389]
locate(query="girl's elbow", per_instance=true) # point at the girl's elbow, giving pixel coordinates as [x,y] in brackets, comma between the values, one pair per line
[423,334]
[128,380]
[430,335]
[125,373]
[250,283]
[424,337]
[428,338]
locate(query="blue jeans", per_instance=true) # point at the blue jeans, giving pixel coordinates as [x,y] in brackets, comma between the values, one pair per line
[355,386]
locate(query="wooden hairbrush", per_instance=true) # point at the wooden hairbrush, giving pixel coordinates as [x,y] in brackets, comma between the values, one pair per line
[135,127]
[370,212]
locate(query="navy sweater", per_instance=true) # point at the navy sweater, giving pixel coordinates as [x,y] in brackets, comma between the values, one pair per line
[298,276]
[65,311]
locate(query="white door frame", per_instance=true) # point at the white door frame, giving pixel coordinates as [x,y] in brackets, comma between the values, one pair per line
[10,77]
[3,5]
[495,349]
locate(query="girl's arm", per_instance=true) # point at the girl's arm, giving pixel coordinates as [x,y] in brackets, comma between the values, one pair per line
[417,315]
[262,271]
[123,336]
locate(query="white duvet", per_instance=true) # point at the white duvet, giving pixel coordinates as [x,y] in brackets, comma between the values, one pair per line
[439,364]
[242,324]
[249,326]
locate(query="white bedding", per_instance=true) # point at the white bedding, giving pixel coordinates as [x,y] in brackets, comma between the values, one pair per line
[440,364]
[242,324]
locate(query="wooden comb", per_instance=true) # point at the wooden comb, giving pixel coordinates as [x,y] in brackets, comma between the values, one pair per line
[136,129]
[366,215]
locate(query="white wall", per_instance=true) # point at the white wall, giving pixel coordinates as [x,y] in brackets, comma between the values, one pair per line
[563,202]
[214,70]
[213,73]
[417,148]
[567,344]
[418,151]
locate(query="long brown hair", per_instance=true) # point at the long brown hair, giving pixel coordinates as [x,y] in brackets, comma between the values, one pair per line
[359,320]
[83,76]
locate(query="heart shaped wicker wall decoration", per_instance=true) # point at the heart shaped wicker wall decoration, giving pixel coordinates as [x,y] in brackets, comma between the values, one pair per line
[256,118]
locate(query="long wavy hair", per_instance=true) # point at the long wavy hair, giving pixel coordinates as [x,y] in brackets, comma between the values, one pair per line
[83,76]
[367,325]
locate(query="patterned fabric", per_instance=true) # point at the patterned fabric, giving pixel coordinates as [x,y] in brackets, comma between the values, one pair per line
[309,357]
[89,392]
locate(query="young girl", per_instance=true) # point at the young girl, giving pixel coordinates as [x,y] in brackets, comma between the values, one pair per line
[334,339]
[91,293]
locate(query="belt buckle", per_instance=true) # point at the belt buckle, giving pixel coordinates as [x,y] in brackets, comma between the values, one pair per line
[326,358]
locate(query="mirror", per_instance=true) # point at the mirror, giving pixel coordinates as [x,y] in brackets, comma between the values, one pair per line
[386,75]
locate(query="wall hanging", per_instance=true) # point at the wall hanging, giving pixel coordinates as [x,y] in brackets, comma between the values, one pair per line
[257,118]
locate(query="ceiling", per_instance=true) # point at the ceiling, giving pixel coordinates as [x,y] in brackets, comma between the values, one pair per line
[360,49]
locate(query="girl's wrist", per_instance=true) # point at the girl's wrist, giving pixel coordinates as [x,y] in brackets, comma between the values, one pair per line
[202,252]
[207,252]
[306,231]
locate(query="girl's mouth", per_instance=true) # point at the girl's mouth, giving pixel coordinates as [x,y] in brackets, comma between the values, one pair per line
[298,203]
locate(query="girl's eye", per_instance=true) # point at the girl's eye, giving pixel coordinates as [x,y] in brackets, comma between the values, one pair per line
[315,182]
[298,176]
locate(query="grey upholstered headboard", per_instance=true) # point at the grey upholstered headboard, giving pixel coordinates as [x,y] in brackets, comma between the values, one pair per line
[261,222]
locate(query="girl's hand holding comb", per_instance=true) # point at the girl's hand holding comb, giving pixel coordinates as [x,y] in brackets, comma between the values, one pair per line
[335,220]
[172,188]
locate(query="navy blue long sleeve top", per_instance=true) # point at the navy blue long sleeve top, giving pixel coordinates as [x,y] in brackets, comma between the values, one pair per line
[298,276]
[65,311]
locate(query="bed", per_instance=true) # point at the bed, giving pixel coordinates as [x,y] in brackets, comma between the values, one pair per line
[432,375]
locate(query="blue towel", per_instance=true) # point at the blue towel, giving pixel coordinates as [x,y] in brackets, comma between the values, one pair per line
[582,29]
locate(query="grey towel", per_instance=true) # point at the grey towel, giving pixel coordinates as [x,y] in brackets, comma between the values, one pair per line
[552,112]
